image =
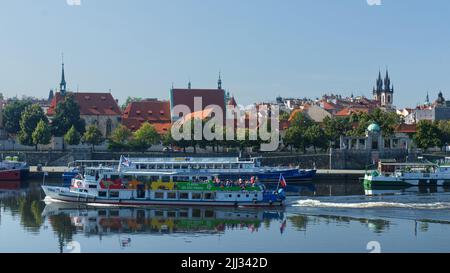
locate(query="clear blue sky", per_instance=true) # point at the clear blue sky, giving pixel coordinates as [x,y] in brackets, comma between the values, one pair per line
[264,48]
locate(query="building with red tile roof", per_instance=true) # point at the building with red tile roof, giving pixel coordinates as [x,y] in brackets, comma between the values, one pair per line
[99,109]
[153,111]
[187,97]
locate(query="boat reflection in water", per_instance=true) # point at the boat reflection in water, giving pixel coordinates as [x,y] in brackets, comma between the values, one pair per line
[157,220]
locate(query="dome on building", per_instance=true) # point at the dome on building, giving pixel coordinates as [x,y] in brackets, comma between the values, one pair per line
[374,128]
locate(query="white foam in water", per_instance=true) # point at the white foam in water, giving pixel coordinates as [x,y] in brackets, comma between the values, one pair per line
[363,205]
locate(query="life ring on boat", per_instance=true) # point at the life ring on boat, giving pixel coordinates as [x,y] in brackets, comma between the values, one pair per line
[79,184]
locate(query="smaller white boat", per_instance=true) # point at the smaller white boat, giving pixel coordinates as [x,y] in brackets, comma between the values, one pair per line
[408,174]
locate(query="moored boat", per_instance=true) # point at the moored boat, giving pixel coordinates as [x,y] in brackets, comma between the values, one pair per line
[232,168]
[13,170]
[408,174]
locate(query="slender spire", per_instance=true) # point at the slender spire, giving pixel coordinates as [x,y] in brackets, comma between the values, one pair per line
[219,82]
[63,84]
[189,84]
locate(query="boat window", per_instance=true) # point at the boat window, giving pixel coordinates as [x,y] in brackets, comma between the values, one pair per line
[172,214]
[184,213]
[180,179]
[209,214]
[184,195]
[114,194]
[171,195]
[235,166]
[159,195]
[229,196]
[226,166]
[114,213]
[196,196]
[102,212]
[150,167]
[184,166]
[102,194]
[197,213]
[166,179]
[239,196]
[248,195]
[92,186]
[143,167]
[209,195]
[177,166]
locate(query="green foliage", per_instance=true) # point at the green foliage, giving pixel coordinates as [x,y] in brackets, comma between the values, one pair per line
[444,127]
[67,114]
[145,137]
[386,120]
[42,134]
[31,116]
[72,137]
[428,135]
[334,128]
[119,140]
[130,100]
[92,136]
[315,136]
[12,115]
[284,116]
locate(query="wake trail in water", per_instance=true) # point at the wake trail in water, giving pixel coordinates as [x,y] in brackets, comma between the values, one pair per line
[363,205]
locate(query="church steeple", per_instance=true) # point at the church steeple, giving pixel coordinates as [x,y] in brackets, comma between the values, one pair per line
[219,82]
[387,82]
[63,85]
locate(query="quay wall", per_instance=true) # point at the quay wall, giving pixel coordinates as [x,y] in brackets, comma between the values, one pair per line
[338,160]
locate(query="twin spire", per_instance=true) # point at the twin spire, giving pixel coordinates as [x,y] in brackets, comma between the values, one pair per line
[219,83]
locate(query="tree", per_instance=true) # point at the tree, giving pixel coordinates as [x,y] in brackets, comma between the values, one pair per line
[334,128]
[145,137]
[92,136]
[294,138]
[386,120]
[120,138]
[284,116]
[12,115]
[42,134]
[72,137]
[31,116]
[130,100]
[295,135]
[315,136]
[67,114]
[428,135]
[444,128]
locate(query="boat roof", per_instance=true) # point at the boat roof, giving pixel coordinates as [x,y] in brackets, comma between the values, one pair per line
[189,160]
[409,164]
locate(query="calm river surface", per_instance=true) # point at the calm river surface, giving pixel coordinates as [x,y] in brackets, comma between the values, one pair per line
[320,217]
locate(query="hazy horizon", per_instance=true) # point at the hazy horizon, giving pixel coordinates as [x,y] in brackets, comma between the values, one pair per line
[263,48]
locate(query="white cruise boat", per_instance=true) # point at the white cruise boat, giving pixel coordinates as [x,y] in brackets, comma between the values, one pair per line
[140,187]
[408,174]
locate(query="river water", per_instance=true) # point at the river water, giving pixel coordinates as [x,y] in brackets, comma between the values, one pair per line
[319,217]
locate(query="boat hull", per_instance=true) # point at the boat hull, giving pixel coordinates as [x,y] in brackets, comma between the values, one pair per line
[386,181]
[64,194]
[11,175]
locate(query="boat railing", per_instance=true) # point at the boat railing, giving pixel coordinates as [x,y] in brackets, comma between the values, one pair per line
[93,163]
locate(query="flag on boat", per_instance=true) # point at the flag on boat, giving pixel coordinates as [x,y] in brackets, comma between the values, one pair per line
[282,183]
[125,161]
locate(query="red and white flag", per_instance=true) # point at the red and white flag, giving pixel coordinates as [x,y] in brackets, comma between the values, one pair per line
[283,183]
